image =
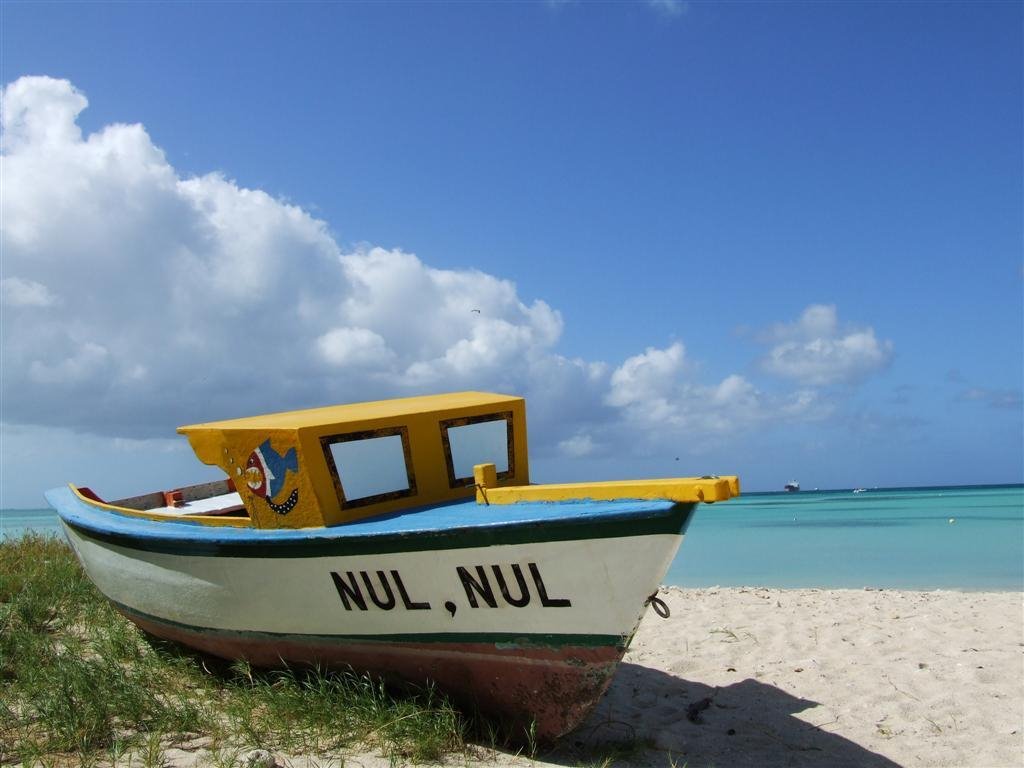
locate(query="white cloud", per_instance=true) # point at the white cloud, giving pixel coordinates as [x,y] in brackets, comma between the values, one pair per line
[354,346]
[577,446]
[647,378]
[40,112]
[172,300]
[467,324]
[190,298]
[816,321]
[815,351]
[15,292]
[669,8]
[655,393]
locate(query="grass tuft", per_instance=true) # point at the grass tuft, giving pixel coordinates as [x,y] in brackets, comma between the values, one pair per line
[80,684]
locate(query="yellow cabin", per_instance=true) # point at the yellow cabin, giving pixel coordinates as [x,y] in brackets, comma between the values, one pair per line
[325,466]
[328,466]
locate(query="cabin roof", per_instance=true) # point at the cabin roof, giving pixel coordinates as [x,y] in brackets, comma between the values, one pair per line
[357,412]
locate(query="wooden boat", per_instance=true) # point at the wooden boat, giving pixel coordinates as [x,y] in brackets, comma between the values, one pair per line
[401,538]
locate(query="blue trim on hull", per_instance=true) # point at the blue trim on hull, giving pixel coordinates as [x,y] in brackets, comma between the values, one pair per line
[452,526]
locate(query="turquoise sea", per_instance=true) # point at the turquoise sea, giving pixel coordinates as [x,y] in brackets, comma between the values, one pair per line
[906,538]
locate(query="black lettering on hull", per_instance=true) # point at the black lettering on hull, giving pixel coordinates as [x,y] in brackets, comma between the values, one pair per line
[385,605]
[524,591]
[381,587]
[409,604]
[547,602]
[348,589]
[474,587]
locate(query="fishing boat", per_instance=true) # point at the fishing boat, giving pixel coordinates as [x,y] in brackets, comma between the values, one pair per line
[400,538]
[791,487]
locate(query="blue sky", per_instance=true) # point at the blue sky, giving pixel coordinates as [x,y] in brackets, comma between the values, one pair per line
[782,240]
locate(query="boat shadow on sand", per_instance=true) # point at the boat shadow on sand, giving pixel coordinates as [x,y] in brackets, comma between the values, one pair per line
[652,718]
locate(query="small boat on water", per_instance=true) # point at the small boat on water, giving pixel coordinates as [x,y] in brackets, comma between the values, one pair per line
[792,486]
[400,538]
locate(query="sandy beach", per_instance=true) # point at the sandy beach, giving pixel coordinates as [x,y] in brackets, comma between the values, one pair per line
[770,677]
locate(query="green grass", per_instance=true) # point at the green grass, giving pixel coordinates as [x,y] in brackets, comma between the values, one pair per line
[79,684]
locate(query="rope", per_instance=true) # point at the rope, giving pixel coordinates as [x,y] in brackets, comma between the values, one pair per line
[483,492]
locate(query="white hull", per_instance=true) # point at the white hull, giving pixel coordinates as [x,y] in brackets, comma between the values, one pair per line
[585,587]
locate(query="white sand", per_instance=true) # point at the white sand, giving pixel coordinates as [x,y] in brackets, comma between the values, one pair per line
[804,677]
[818,677]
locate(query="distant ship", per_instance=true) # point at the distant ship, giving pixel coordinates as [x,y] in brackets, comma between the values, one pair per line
[792,486]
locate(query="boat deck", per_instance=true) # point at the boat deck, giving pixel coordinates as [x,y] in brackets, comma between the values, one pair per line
[224,504]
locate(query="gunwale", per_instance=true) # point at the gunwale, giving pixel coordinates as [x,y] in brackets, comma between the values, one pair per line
[459,524]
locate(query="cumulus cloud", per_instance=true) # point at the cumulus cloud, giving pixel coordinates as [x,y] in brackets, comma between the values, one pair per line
[174,293]
[469,325]
[136,299]
[648,378]
[354,346]
[816,351]
[655,390]
[173,299]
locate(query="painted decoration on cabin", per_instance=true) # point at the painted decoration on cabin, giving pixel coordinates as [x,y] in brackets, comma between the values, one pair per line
[266,472]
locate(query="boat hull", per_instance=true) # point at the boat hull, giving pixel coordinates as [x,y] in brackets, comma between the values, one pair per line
[526,621]
[550,689]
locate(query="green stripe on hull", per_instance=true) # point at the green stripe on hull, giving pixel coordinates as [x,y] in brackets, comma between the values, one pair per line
[512,639]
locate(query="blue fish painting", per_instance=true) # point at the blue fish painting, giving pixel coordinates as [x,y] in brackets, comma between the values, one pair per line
[266,469]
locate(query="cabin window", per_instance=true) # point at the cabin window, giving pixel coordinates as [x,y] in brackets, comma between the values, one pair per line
[478,440]
[370,467]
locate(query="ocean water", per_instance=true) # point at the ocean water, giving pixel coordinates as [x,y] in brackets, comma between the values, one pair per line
[915,538]
[969,538]
[18,522]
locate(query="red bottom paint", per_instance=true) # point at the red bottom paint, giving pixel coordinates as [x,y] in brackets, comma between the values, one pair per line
[552,687]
